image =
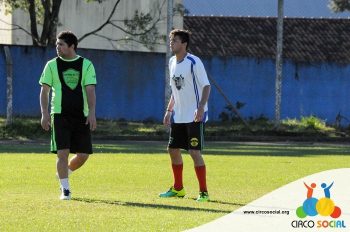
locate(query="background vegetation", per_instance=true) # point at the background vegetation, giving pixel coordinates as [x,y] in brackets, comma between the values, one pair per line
[307,128]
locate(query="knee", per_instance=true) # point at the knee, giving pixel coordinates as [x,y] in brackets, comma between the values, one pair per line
[62,156]
[195,153]
[83,157]
[173,152]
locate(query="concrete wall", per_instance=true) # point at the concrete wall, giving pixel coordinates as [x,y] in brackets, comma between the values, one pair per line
[308,89]
[131,85]
[81,18]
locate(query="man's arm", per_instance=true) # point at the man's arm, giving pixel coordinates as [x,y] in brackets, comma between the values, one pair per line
[169,110]
[91,99]
[44,105]
[204,99]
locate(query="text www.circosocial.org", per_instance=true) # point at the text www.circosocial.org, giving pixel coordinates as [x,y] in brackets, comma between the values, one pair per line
[285,212]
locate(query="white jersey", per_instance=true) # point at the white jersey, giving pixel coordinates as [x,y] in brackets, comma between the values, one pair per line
[187,80]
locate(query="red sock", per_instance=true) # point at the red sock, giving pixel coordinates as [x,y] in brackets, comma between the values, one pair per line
[201,176]
[177,171]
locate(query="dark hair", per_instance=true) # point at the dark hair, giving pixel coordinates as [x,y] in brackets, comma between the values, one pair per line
[69,38]
[184,35]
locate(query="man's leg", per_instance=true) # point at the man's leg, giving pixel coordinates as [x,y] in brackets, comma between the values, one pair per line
[176,142]
[177,166]
[80,144]
[200,169]
[177,190]
[196,135]
[77,161]
[62,163]
[62,170]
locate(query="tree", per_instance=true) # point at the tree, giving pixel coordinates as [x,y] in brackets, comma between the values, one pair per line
[339,5]
[43,12]
[142,28]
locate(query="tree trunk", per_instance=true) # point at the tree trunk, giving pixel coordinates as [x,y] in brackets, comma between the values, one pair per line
[48,35]
[47,16]
[54,21]
[33,28]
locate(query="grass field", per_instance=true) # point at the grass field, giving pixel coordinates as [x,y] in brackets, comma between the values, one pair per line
[117,190]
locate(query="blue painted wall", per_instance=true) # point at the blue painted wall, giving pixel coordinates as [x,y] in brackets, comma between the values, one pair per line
[2,82]
[131,85]
[308,89]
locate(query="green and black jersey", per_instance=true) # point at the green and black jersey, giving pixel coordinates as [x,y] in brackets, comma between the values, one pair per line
[68,79]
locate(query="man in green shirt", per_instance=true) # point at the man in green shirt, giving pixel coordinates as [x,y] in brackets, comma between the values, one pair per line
[72,80]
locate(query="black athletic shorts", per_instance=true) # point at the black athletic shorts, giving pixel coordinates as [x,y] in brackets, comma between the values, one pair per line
[70,133]
[188,136]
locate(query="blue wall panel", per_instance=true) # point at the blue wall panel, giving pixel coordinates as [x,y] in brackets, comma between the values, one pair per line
[307,89]
[28,64]
[2,82]
[321,90]
[131,85]
[243,80]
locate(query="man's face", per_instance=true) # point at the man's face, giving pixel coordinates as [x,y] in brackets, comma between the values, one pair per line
[176,45]
[62,48]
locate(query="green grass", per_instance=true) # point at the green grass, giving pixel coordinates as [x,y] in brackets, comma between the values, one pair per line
[117,188]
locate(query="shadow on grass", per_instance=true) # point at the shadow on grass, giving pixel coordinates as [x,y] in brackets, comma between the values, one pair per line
[212,148]
[222,202]
[145,205]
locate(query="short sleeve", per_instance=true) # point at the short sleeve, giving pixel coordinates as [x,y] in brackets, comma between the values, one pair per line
[201,73]
[90,74]
[46,76]
[170,65]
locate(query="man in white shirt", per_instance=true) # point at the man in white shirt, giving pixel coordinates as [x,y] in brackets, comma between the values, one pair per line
[186,113]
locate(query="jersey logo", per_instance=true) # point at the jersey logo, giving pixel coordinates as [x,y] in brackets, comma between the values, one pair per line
[179,81]
[194,142]
[71,78]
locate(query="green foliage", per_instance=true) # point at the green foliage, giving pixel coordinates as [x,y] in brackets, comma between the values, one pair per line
[150,129]
[339,5]
[11,5]
[229,114]
[22,128]
[142,26]
[307,123]
[180,9]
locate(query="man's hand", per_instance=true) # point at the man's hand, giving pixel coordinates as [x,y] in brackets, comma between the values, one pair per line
[45,121]
[91,120]
[198,114]
[166,119]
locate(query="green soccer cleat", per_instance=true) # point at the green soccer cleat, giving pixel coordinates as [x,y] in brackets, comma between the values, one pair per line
[172,192]
[203,197]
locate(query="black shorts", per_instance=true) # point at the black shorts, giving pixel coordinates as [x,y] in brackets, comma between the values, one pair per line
[70,133]
[188,136]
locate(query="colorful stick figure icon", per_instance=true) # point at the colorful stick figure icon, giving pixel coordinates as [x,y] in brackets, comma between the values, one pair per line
[324,206]
[310,190]
[327,193]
